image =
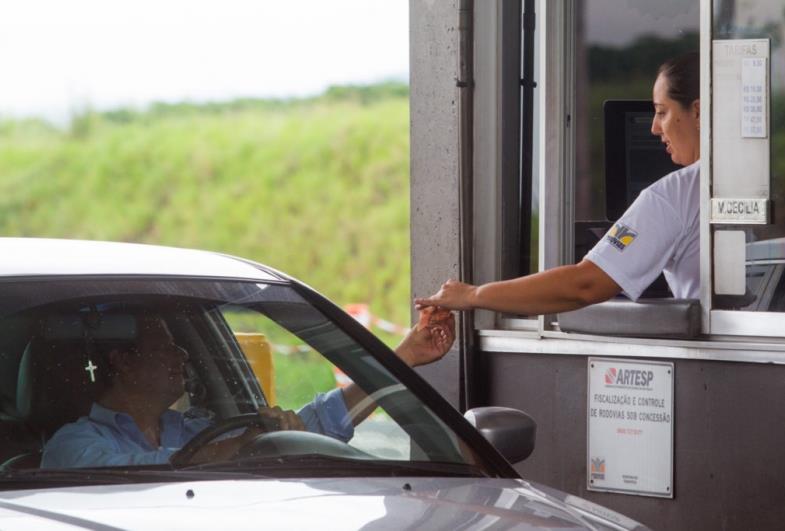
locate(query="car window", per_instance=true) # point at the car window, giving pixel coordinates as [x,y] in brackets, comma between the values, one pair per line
[292,373]
[132,373]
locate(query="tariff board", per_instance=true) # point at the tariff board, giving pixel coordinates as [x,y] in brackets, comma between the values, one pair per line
[630,427]
[740,131]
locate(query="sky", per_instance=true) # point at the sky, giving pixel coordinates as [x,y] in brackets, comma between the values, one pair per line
[59,57]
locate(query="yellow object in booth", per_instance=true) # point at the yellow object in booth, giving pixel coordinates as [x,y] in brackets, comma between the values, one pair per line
[260,357]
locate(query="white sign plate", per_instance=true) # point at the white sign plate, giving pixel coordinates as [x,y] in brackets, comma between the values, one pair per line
[739,210]
[741,86]
[730,269]
[630,427]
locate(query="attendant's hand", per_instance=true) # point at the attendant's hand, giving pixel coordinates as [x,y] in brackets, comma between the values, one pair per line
[453,295]
[430,339]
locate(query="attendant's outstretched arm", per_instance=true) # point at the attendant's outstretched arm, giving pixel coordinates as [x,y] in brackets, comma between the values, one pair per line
[556,290]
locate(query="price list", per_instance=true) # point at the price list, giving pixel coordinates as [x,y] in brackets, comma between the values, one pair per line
[753,97]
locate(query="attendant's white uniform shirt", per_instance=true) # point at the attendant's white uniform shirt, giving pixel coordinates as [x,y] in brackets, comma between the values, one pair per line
[657,233]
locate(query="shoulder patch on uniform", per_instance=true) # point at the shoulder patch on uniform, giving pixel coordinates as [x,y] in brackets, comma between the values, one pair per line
[621,236]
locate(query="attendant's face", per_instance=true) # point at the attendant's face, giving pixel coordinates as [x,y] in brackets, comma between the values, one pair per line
[158,368]
[678,127]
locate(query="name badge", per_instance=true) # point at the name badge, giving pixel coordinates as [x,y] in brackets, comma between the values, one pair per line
[740,210]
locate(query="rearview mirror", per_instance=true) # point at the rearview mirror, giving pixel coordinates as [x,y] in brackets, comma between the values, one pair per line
[511,431]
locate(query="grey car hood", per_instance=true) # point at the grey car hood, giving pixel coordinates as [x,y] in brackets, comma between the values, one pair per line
[356,503]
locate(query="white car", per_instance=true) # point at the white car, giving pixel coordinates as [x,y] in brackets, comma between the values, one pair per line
[74,319]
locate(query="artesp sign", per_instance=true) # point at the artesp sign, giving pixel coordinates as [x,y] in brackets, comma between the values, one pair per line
[630,427]
[615,377]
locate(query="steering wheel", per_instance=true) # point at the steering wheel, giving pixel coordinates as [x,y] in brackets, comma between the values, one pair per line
[183,456]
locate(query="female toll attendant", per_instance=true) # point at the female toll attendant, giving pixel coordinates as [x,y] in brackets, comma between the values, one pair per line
[658,233]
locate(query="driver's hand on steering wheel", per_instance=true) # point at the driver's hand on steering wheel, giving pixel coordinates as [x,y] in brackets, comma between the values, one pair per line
[282,419]
[285,419]
[225,449]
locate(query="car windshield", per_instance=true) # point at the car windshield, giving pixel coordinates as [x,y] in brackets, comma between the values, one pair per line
[169,375]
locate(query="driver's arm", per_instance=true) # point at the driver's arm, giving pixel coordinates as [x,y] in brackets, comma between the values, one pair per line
[336,412]
[424,344]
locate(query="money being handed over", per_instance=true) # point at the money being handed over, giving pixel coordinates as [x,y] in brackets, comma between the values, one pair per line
[433,316]
[438,325]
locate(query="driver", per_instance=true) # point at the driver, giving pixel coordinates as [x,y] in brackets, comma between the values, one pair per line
[132,423]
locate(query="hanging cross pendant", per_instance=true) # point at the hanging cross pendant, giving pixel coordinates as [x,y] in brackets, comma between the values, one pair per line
[91,369]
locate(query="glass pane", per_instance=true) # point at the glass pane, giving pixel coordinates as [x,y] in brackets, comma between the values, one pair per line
[619,47]
[292,374]
[133,373]
[755,19]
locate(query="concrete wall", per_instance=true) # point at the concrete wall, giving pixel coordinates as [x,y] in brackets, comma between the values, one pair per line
[435,162]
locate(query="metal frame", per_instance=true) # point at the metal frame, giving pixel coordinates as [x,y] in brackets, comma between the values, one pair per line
[559,343]
[739,323]
[496,139]
[706,21]
[555,136]
[486,139]
[467,361]
[527,156]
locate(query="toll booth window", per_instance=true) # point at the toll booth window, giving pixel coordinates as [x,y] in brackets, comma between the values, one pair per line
[763,288]
[619,47]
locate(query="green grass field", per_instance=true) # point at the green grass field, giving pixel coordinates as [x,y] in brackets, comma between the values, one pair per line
[316,188]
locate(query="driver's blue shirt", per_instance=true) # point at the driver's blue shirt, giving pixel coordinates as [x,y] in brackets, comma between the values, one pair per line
[112,438]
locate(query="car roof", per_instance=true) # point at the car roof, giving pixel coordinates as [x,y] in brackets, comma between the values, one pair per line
[24,257]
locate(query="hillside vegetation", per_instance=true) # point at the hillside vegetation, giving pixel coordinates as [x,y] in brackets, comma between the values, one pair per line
[318,188]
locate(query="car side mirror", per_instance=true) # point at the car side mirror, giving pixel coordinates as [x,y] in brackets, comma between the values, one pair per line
[511,431]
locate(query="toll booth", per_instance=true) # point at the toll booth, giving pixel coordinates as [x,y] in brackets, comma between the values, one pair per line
[529,124]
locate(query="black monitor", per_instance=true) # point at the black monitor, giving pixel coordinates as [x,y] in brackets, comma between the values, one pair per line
[634,158]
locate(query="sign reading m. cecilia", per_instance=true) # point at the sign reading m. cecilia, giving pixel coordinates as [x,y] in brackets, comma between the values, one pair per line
[731,210]
[630,427]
